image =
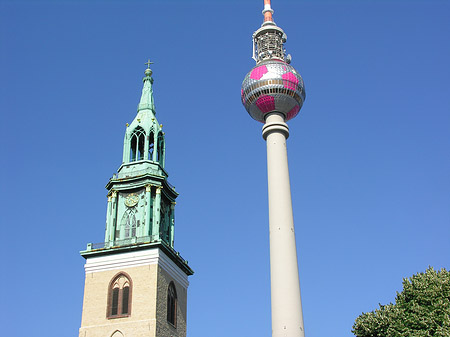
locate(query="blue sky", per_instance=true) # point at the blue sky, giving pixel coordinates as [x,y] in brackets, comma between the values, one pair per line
[369,152]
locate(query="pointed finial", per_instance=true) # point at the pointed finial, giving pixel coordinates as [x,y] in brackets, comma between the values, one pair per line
[147,91]
[148,71]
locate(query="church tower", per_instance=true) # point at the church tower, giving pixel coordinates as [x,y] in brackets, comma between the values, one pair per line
[136,283]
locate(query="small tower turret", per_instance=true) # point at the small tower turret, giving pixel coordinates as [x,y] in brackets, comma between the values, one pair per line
[144,138]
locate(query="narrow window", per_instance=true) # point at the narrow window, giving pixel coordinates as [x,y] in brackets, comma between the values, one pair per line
[137,145]
[133,226]
[160,149]
[130,225]
[115,301]
[125,294]
[151,145]
[172,304]
[141,146]
[133,148]
[119,296]
[127,228]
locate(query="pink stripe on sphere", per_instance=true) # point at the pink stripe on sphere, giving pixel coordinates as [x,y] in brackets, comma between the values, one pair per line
[258,72]
[293,112]
[265,103]
[290,81]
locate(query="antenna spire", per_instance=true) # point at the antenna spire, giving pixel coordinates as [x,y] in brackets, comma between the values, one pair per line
[267,11]
[268,40]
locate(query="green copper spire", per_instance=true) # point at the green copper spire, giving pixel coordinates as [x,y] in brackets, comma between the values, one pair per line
[141,202]
[144,139]
[147,92]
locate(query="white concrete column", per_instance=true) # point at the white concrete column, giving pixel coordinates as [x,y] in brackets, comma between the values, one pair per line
[287,316]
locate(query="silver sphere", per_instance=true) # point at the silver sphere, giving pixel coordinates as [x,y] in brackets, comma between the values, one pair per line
[273,86]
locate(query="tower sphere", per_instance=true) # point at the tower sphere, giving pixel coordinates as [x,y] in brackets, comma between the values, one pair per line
[273,86]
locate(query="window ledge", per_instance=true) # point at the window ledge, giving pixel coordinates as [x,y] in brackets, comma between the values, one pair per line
[118,316]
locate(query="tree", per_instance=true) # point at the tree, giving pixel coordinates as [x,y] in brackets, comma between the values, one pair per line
[421,309]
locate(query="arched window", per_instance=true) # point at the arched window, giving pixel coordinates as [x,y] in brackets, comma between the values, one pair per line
[117,333]
[160,149]
[137,145]
[129,224]
[151,145]
[119,296]
[172,304]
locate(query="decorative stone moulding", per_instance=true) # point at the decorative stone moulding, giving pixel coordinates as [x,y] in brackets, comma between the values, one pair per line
[273,86]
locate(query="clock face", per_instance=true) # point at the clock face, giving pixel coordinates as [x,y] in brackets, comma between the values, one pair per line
[131,200]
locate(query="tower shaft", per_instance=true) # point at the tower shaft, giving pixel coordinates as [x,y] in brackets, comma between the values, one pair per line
[273,92]
[287,316]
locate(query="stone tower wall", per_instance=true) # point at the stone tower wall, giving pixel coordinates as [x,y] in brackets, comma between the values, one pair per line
[151,272]
[164,328]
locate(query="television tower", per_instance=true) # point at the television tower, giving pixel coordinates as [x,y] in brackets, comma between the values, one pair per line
[272,93]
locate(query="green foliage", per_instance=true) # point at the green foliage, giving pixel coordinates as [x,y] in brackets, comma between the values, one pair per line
[422,309]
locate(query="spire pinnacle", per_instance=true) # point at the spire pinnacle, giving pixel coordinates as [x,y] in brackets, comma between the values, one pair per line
[148,71]
[146,102]
[148,63]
